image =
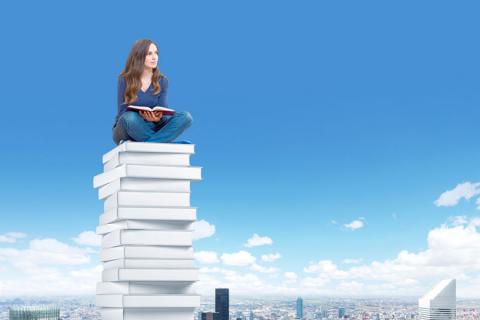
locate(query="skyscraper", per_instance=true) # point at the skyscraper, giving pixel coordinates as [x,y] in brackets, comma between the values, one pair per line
[34,312]
[222,303]
[299,308]
[440,303]
[341,312]
[208,316]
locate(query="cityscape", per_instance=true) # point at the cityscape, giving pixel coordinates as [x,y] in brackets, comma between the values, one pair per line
[83,308]
[223,306]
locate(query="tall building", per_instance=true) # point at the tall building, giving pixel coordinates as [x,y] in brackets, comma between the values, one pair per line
[324,314]
[320,314]
[299,308]
[440,303]
[341,312]
[222,303]
[209,316]
[34,313]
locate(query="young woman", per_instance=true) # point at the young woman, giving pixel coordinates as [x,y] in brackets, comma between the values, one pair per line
[142,84]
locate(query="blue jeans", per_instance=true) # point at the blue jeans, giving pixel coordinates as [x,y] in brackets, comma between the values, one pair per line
[131,126]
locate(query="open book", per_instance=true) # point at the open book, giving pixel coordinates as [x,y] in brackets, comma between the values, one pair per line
[166,111]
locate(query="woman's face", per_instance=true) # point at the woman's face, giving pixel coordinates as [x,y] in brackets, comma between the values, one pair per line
[152,57]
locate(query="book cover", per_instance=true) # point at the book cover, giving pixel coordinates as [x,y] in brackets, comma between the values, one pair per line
[149,263]
[147,237]
[139,171]
[147,158]
[146,252]
[142,288]
[159,213]
[146,313]
[143,184]
[164,110]
[144,225]
[153,275]
[146,199]
[149,147]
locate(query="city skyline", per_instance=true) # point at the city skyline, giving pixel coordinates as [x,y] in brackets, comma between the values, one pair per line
[76,308]
[337,143]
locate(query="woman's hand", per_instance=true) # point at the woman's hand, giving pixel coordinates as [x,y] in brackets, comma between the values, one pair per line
[158,114]
[152,116]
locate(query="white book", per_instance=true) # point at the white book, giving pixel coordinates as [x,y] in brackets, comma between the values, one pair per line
[164,110]
[139,171]
[143,184]
[146,313]
[145,225]
[150,264]
[148,301]
[146,238]
[151,275]
[147,252]
[172,213]
[149,147]
[146,199]
[147,158]
[130,287]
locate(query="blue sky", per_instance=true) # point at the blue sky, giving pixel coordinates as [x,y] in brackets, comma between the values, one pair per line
[307,117]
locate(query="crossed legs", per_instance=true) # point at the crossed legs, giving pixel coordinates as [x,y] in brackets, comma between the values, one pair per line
[132,126]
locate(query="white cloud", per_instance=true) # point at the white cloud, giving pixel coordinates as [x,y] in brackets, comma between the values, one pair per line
[458,220]
[49,252]
[207,257]
[354,287]
[239,282]
[257,240]
[42,281]
[11,237]
[465,190]
[453,251]
[86,278]
[316,283]
[351,261]
[262,269]
[240,258]
[202,229]
[326,268]
[216,270]
[88,238]
[271,257]
[290,276]
[355,225]
[47,266]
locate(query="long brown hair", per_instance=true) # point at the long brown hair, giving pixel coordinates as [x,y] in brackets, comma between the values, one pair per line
[134,69]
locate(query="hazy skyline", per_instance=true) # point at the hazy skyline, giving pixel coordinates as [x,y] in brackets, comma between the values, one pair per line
[338,141]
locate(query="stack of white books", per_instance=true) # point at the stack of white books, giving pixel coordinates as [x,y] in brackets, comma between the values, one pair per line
[146,228]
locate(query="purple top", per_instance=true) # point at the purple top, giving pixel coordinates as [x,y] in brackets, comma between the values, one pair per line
[146,99]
